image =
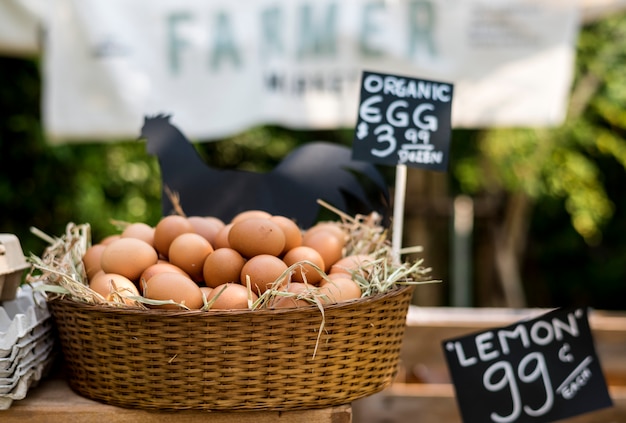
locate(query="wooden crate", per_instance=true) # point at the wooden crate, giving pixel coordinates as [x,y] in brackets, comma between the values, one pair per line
[423,391]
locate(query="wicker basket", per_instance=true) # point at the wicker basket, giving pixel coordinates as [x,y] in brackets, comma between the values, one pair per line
[233,360]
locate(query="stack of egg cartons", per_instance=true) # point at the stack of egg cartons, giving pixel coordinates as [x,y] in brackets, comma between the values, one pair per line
[26,329]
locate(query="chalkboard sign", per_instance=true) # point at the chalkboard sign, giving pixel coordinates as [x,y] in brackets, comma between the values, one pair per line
[539,370]
[403,121]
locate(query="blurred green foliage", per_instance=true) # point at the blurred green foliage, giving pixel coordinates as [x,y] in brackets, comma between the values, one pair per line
[47,187]
[565,162]
[574,174]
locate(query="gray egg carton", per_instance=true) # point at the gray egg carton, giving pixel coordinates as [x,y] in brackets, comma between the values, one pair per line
[12,266]
[26,343]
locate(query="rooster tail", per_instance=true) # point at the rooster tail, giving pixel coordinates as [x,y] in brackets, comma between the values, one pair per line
[370,192]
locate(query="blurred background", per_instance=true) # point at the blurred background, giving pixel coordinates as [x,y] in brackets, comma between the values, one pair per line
[523,217]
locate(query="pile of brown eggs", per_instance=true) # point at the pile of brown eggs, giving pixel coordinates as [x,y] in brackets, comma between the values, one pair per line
[195,261]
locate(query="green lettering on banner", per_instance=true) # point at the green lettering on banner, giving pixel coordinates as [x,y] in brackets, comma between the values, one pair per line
[369,28]
[224,47]
[175,42]
[321,39]
[421,27]
[272,25]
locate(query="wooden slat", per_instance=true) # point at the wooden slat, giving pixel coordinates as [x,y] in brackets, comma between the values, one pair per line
[54,402]
[435,403]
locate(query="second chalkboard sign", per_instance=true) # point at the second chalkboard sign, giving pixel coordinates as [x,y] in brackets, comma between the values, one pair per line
[536,371]
[403,120]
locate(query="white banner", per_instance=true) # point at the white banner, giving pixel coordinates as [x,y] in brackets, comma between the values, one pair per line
[221,66]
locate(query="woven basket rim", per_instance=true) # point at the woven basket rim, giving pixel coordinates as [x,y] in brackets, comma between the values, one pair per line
[395,290]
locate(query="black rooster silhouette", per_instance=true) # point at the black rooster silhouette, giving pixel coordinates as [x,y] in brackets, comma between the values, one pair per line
[316,170]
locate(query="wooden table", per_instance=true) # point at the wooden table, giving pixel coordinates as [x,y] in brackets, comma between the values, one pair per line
[52,401]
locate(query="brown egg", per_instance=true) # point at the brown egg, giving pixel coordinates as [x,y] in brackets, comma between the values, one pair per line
[188,251]
[95,275]
[139,230]
[109,239]
[293,234]
[176,287]
[250,213]
[109,284]
[349,264]
[295,289]
[221,238]
[326,242]
[255,236]
[208,226]
[159,267]
[327,226]
[305,272]
[128,257]
[334,276]
[339,289]
[230,296]
[222,266]
[263,270]
[91,260]
[168,228]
